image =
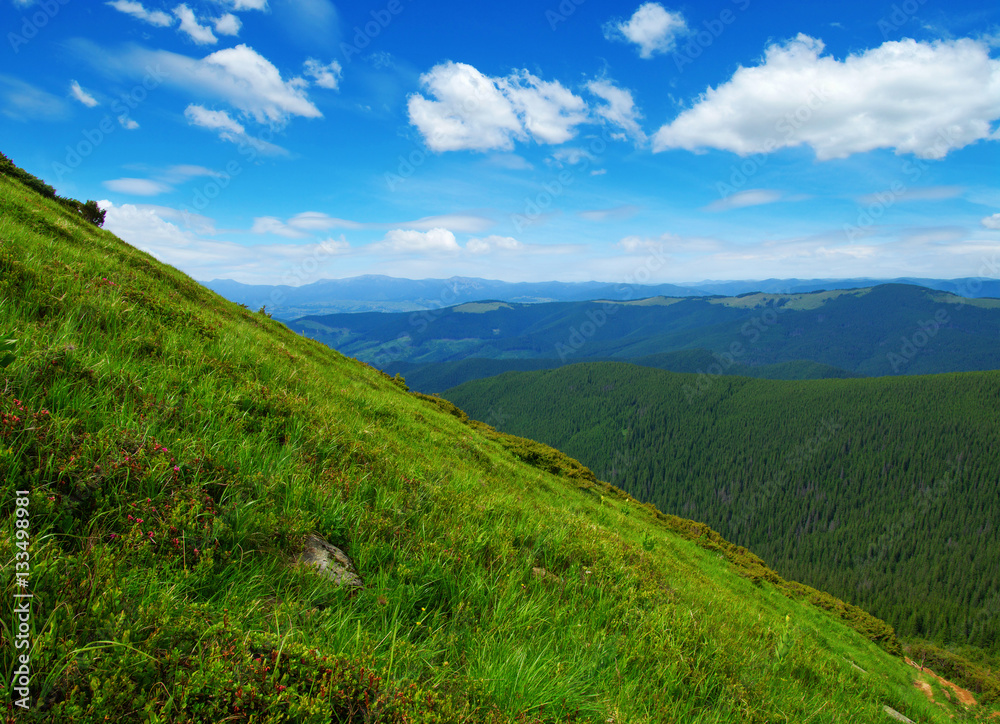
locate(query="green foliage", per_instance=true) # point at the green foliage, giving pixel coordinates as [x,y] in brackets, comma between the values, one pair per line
[7,347]
[880,491]
[179,450]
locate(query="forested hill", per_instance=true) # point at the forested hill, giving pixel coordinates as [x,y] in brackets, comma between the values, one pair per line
[885,330]
[883,491]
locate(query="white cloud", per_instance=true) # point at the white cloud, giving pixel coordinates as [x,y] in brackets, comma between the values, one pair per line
[325,76]
[572,156]
[137,186]
[238,76]
[548,111]
[472,111]
[145,227]
[462,223]
[249,4]
[653,28]
[213,120]
[742,199]
[992,222]
[914,97]
[490,244]
[274,225]
[83,96]
[136,10]
[127,123]
[22,101]
[511,161]
[253,84]
[620,109]
[229,129]
[616,213]
[228,24]
[201,34]
[410,241]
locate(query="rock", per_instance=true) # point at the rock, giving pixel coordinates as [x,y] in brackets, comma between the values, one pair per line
[330,561]
[896,715]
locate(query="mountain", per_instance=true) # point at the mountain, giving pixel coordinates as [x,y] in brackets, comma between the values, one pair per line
[173,467]
[971,287]
[440,376]
[882,491]
[377,293]
[884,330]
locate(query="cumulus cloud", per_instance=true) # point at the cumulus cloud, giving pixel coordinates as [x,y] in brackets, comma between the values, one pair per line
[325,76]
[992,222]
[228,24]
[490,244]
[411,241]
[136,10]
[914,97]
[652,27]
[128,123]
[201,34]
[620,107]
[471,111]
[83,96]
[742,199]
[137,186]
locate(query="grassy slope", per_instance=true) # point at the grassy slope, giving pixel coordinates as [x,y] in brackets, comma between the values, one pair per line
[178,449]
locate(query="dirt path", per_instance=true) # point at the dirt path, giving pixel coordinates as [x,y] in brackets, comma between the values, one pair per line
[963,695]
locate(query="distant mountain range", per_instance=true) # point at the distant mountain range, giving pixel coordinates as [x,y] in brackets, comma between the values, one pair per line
[885,330]
[377,293]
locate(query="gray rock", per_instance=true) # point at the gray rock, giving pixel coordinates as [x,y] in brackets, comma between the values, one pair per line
[896,715]
[330,561]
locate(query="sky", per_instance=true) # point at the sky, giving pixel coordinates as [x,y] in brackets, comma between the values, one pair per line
[287,141]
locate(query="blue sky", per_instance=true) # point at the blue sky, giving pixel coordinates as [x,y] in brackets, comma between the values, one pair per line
[285,141]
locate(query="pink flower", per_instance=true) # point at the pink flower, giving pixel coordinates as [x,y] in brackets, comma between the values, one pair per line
[176,468]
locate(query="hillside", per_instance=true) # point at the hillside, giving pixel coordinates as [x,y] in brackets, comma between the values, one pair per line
[882,491]
[180,452]
[892,329]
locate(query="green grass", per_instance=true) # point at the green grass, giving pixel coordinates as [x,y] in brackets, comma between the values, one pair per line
[179,448]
